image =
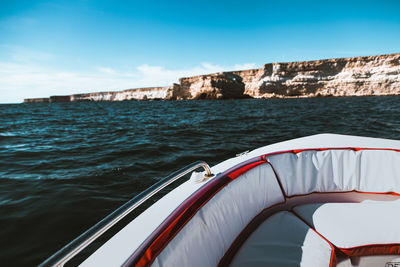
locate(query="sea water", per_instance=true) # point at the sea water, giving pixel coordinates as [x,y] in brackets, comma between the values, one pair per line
[65,166]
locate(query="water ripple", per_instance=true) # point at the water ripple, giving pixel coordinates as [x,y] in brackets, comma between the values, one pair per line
[64,166]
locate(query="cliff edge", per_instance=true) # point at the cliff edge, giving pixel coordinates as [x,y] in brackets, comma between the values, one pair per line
[356,76]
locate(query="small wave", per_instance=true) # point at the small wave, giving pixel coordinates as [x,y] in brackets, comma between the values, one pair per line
[8,134]
[15,146]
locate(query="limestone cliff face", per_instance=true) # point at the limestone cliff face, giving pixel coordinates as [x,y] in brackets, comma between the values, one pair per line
[150,93]
[213,86]
[36,100]
[357,76]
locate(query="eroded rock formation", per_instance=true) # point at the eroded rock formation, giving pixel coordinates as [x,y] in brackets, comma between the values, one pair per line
[357,76]
[213,86]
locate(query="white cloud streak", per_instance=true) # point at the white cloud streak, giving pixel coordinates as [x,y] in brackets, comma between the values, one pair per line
[19,80]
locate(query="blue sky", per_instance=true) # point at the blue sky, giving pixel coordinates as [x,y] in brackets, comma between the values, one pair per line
[64,47]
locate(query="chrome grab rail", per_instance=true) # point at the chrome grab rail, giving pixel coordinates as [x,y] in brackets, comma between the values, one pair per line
[78,244]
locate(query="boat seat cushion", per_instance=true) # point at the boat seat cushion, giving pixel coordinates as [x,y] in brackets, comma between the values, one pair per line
[204,239]
[338,170]
[284,240]
[357,229]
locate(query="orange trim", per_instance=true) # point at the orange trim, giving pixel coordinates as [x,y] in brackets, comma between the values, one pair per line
[244,169]
[149,250]
[373,249]
[295,151]
[169,229]
[378,193]
[355,191]
[333,260]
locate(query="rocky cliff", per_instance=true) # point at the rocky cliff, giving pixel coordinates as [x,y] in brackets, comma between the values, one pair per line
[357,76]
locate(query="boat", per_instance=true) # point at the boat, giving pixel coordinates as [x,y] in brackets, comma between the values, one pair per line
[321,200]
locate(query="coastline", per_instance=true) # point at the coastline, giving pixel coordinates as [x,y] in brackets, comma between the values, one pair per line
[356,76]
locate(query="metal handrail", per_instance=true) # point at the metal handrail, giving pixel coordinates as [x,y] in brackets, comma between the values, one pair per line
[78,244]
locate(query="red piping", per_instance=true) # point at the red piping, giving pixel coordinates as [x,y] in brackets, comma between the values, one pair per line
[363,250]
[154,244]
[333,260]
[355,191]
[295,151]
[372,249]
[244,169]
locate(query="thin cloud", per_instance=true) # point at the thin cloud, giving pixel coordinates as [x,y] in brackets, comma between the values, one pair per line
[19,54]
[107,70]
[21,80]
[149,73]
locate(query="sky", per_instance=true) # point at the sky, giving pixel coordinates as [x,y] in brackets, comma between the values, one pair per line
[66,47]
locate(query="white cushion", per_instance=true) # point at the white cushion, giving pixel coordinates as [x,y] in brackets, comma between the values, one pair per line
[350,226]
[204,240]
[338,170]
[284,240]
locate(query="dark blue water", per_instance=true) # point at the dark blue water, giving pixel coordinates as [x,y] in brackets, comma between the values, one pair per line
[64,166]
